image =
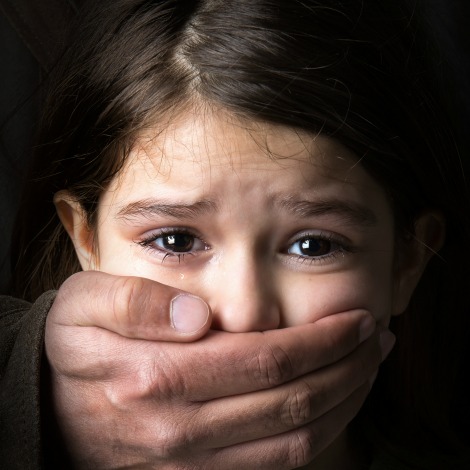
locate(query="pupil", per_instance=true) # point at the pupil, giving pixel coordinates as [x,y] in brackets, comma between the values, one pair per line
[313,247]
[178,242]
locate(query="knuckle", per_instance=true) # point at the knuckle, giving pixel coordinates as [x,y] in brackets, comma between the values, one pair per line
[302,446]
[126,293]
[68,289]
[72,280]
[173,439]
[178,436]
[297,409]
[161,380]
[273,366]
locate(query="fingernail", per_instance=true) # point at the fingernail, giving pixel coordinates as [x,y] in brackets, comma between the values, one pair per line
[387,340]
[188,313]
[366,328]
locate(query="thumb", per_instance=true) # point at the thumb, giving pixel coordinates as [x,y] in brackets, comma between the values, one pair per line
[132,307]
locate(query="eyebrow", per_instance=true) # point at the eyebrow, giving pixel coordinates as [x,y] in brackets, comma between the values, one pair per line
[152,207]
[350,212]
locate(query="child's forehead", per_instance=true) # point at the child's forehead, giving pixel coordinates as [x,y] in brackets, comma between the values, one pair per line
[232,164]
[220,139]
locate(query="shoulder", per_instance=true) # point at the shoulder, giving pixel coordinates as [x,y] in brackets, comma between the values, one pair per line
[18,316]
[22,326]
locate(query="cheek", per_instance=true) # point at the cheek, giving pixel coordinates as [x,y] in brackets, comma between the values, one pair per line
[307,300]
[116,255]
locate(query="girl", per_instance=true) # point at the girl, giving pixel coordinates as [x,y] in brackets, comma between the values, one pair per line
[299,146]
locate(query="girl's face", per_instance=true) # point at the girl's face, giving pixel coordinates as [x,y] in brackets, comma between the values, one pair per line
[272,227]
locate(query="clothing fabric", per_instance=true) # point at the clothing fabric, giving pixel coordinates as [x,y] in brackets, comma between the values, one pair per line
[22,327]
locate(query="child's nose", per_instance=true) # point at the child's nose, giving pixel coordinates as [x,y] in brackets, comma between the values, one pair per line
[243,296]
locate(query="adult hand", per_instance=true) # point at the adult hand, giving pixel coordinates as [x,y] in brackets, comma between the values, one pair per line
[127,394]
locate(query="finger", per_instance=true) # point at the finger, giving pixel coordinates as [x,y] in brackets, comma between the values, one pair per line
[234,364]
[131,307]
[286,450]
[293,449]
[289,406]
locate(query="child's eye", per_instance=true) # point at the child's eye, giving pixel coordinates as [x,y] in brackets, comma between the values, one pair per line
[179,243]
[318,247]
[311,247]
[173,242]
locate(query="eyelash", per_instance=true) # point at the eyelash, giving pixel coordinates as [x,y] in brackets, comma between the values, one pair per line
[342,247]
[148,242]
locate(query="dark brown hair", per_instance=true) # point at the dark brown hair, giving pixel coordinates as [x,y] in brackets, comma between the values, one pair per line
[360,71]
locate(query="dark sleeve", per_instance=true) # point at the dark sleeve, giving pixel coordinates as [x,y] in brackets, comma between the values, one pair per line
[21,347]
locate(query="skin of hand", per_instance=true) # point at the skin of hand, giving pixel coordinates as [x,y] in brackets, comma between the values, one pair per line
[127,393]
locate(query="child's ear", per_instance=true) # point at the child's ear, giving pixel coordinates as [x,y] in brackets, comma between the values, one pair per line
[414,254]
[74,220]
